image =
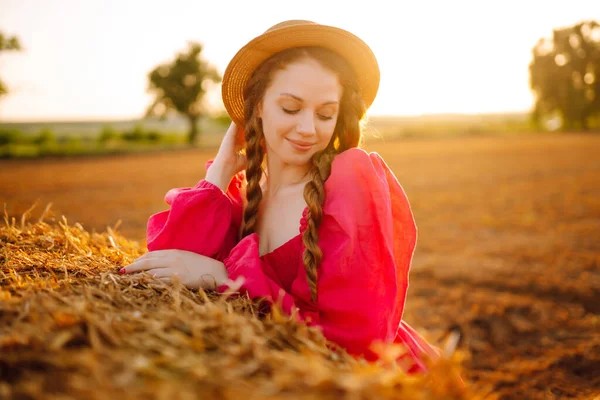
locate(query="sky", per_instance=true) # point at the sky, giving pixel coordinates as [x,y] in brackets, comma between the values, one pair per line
[89,59]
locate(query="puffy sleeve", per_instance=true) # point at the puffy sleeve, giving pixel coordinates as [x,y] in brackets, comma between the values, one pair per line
[202,219]
[368,236]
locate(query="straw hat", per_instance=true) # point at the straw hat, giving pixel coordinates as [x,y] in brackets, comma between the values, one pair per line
[297,33]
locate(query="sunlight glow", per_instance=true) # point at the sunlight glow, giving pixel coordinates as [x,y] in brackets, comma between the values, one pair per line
[90,59]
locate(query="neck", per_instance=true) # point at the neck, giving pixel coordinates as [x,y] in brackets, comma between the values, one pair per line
[281,176]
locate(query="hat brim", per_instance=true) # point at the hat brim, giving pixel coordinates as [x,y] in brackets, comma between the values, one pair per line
[356,52]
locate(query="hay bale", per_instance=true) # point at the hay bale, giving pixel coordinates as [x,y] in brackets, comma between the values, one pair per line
[71,327]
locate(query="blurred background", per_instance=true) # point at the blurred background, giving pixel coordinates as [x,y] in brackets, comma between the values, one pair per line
[86,68]
[488,113]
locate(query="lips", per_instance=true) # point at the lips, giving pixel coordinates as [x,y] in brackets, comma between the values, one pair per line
[299,145]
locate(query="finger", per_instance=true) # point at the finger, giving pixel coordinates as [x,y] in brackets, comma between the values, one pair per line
[154,254]
[161,273]
[240,138]
[235,136]
[231,133]
[155,273]
[142,265]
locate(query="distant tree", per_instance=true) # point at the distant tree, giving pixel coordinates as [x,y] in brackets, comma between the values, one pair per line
[137,134]
[565,75]
[108,134]
[181,85]
[9,136]
[7,44]
[45,137]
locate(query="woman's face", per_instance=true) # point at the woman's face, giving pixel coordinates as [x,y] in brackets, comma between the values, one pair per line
[299,111]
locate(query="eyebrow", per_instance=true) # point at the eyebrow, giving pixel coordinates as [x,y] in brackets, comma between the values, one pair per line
[301,100]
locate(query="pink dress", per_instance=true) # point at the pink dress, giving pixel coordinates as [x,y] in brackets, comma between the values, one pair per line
[368,236]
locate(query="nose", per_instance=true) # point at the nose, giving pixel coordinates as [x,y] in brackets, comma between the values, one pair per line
[306,124]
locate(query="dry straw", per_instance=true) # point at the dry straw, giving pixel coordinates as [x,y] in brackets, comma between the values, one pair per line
[71,327]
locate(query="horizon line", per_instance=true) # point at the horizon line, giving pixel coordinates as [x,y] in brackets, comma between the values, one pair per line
[99,119]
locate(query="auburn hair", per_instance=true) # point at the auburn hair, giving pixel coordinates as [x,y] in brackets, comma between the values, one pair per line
[347,134]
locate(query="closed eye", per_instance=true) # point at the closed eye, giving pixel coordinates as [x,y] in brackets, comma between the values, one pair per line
[292,112]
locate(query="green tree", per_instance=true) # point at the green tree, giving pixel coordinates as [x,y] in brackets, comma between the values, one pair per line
[564,75]
[45,137]
[7,44]
[180,85]
[108,134]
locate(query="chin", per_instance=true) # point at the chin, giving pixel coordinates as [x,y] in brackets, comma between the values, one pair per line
[290,156]
[298,159]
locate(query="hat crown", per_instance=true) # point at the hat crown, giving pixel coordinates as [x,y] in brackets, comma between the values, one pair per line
[297,33]
[291,22]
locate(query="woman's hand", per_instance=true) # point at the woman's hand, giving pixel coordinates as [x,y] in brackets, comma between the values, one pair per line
[193,270]
[229,160]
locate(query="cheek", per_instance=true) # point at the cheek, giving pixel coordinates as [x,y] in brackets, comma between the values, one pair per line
[326,132]
[276,126]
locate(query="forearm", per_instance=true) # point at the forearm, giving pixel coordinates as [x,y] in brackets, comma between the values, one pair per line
[219,175]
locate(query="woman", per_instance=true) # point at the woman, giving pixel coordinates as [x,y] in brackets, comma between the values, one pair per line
[325,228]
